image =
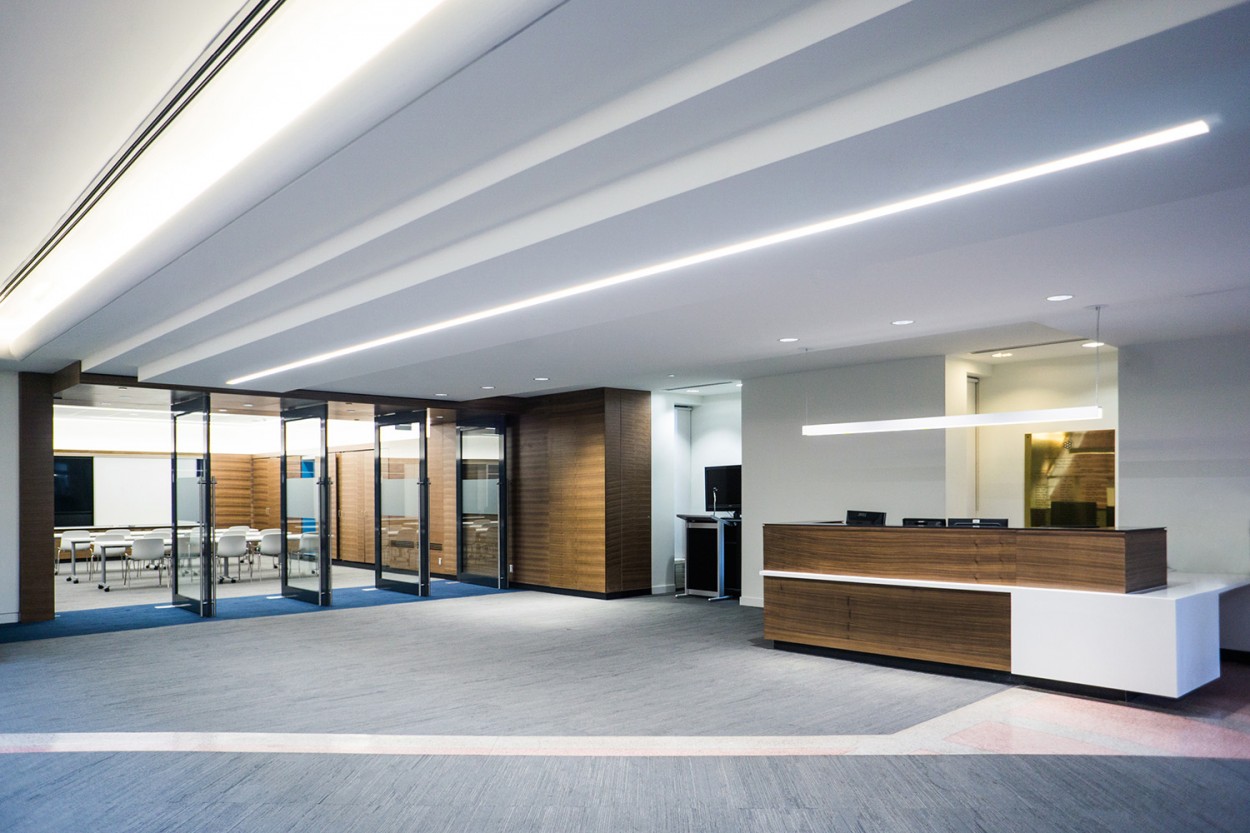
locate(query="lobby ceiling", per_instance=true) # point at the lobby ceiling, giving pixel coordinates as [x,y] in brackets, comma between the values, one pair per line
[572,141]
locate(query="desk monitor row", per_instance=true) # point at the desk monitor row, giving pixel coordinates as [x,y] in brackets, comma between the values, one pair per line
[857,517]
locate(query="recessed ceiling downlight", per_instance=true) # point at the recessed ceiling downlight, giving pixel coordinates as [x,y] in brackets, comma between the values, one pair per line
[1060,297]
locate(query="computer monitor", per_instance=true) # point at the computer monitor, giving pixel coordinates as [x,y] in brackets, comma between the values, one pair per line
[722,489]
[972,523]
[858,517]
[924,521]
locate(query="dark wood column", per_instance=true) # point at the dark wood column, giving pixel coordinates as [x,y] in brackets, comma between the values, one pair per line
[36,596]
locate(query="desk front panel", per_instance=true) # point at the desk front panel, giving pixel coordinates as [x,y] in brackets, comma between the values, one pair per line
[959,627]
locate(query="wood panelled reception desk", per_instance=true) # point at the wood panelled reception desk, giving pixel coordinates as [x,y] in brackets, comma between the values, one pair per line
[1088,606]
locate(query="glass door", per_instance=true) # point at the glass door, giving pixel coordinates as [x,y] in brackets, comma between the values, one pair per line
[402,504]
[305,499]
[190,546]
[481,499]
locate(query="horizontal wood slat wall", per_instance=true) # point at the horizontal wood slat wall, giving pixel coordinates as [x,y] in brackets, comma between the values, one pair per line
[1115,561]
[355,506]
[232,494]
[960,627]
[581,484]
[444,531]
[266,494]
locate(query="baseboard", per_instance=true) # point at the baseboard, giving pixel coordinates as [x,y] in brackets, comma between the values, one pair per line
[585,594]
[751,601]
[663,589]
[9,619]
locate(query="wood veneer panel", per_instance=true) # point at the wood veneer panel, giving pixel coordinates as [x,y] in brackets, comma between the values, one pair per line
[355,506]
[961,627]
[441,466]
[36,509]
[628,490]
[1146,557]
[981,556]
[1092,559]
[232,495]
[266,492]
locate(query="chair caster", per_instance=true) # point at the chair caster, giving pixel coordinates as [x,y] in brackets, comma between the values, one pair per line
[69,578]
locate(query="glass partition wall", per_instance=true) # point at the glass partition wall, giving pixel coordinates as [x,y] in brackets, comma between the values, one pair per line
[402,504]
[305,563]
[191,557]
[482,502]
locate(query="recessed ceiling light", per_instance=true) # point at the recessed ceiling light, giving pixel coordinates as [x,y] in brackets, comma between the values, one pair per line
[902,322]
[542,378]
[692,390]
[248,405]
[1000,355]
[672,375]
[488,387]
[440,394]
[1094,344]
[1059,297]
[788,340]
[1110,151]
[739,384]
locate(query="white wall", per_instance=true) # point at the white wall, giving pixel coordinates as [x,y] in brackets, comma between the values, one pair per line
[789,477]
[1019,386]
[715,439]
[9,567]
[1185,448]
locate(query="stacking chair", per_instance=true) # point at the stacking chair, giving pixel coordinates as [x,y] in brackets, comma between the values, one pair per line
[231,545]
[75,541]
[271,544]
[309,549]
[146,549]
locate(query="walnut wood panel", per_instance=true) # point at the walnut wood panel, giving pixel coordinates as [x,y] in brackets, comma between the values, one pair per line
[628,490]
[355,506]
[266,492]
[981,556]
[1118,561]
[36,510]
[232,494]
[961,627]
[441,465]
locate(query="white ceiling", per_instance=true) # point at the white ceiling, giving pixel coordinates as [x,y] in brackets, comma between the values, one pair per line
[580,139]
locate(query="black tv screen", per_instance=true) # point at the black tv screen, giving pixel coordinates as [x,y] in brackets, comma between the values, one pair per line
[73,490]
[722,488]
[859,517]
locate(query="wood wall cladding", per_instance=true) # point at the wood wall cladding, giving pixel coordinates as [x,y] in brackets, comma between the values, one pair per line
[266,492]
[444,531]
[36,594]
[628,490]
[581,493]
[961,627]
[232,496]
[354,481]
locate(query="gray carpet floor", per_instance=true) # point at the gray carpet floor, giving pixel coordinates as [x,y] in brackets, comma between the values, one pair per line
[529,663]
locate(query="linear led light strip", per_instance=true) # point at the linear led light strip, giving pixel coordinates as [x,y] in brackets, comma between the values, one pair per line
[306,50]
[1150,140]
[955,421]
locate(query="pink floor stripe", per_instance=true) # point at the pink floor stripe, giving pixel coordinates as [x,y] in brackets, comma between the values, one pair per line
[1003,739]
[1164,734]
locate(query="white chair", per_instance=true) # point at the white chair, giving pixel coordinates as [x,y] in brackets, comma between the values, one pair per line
[75,541]
[309,549]
[271,545]
[231,545]
[146,549]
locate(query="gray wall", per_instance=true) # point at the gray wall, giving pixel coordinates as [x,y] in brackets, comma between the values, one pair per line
[1184,453]
[789,477]
[8,498]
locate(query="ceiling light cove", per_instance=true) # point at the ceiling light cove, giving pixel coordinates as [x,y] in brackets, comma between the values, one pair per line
[1111,151]
[290,63]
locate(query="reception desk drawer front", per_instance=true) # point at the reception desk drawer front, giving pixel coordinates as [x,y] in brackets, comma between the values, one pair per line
[961,627]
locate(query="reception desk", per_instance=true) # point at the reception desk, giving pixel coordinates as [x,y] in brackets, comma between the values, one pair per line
[1095,607]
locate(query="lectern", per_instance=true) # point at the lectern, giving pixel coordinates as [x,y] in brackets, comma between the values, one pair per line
[713,557]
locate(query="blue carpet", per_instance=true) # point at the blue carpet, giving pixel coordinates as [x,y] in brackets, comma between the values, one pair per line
[138,617]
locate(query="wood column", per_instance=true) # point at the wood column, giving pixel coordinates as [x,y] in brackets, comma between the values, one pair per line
[36,515]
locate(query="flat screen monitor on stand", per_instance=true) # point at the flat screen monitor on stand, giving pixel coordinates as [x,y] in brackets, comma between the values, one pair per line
[722,489]
[858,517]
